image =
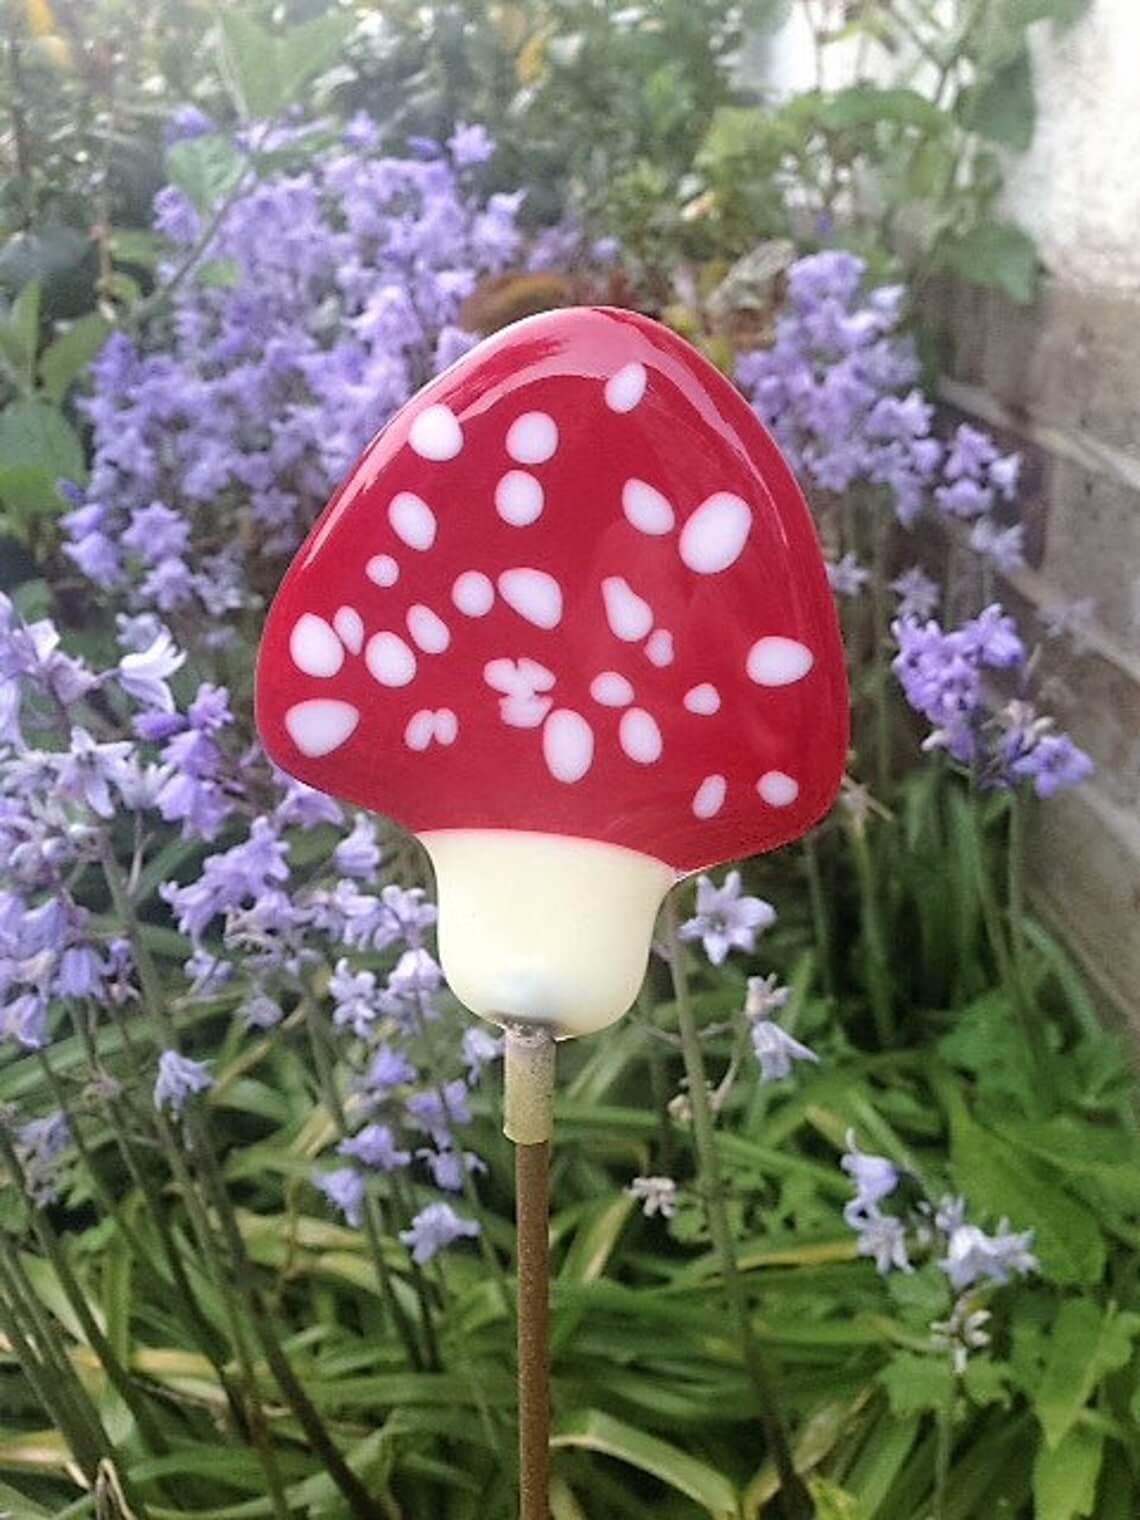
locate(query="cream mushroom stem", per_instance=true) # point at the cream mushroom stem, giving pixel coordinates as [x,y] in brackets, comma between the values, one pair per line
[548,929]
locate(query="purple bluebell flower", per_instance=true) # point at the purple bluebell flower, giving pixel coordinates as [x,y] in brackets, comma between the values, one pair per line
[971,453]
[375,1146]
[1053,764]
[973,1256]
[434,1228]
[354,996]
[875,1178]
[388,1068]
[186,122]
[87,771]
[917,593]
[447,1166]
[24,1020]
[883,1238]
[80,973]
[480,1048]
[847,577]
[725,920]
[470,145]
[143,674]
[1004,547]
[156,532]
[437,1109]
[776,1050]
[260,1011]
[358,854]
[178,1078]
[344,1189]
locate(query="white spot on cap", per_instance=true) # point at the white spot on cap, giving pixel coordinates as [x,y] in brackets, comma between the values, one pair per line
[321,725]
[703,700]
[511,675]
[430,632]
[532,438]
[350,626]
[520,682]
[659,647]
[519,498]
[625,389]
[389,659]
[473,593]
[425,725]
[382,570]
[314,647]
[630,618]
[714,536]
[709,797]
[611,689]
[778,789]
[412,520]
[435,434]
[446,726]
[639,736]
[534,595]
[646,508]
[567,745]
[421,727]
[774,661]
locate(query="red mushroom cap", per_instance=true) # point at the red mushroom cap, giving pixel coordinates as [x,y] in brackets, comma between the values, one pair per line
[571,588]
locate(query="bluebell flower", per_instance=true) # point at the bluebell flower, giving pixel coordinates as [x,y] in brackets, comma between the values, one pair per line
[447,1166]
[375,1146]
[178,1078]
[883,1238]
[480,1048]
[656,1195]
[973,1256]
[41,1145]
[725,920]
[87,771]
[434,1228]
[436,1110]
[776,1050]
[470,145]
[388,1068]
[875,1178]
[358,854]
[344,1189]
[143,674]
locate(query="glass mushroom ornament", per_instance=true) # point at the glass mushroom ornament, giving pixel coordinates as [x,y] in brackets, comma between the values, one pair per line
[567,621]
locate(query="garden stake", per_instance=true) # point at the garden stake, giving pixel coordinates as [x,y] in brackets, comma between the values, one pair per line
[567,621]
[528,1098]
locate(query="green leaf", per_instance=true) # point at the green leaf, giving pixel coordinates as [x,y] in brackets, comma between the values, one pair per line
[205,169]
[916,1383]
[265,71]
[69,354]
[994,253]
[1065,1478]
[864,105]
[38,446]
[217,273]
[19,332]
[1086,1344]
[592,1430]
[1002,107]
[1001,1181]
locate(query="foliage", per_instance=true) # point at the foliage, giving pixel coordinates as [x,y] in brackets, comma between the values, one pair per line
[255,1242]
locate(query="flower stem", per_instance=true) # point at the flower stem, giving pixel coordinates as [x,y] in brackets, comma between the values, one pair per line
[874,939]
[794,1497]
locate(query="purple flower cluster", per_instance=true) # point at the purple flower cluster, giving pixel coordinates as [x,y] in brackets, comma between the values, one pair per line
[339,296]
[942,675]
[838,390]
[965,1253]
